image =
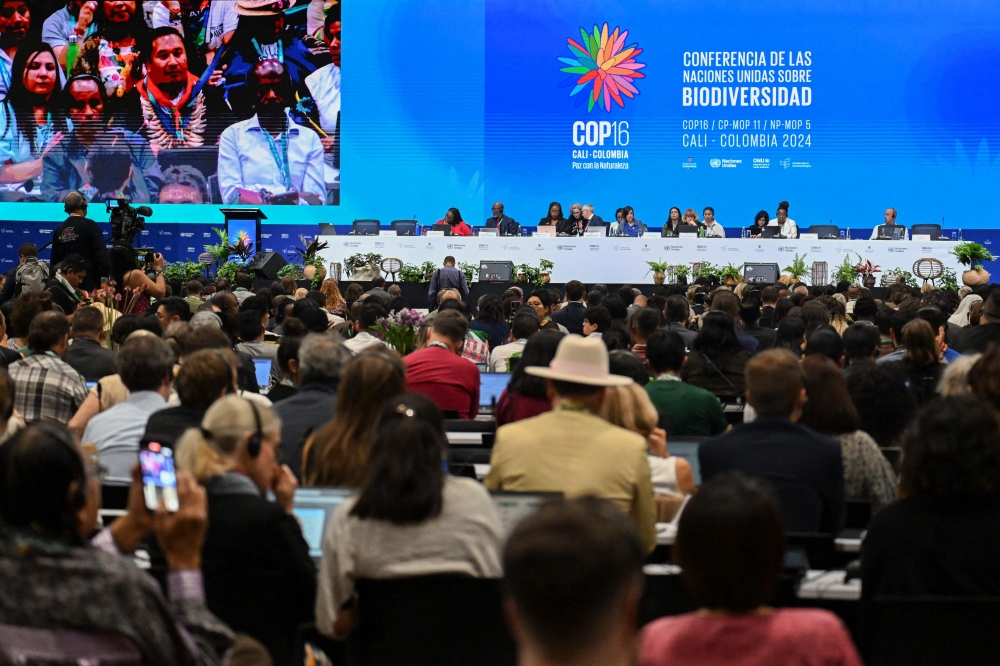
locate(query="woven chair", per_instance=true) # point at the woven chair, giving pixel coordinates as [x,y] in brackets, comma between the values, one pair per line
[391,265]
[928,269]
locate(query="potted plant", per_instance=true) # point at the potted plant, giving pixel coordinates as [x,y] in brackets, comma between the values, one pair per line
[867,270]
[705,270]
[293,271]
[846,272]
[659,270]
[221,250]
[900,276]
[361,267]
[530,274]
[973,255]
[470,271]
[184,271]
[730,275]
[797,268]
[308,264]
[400,330]
[681,273]
[545,269]
[948,279]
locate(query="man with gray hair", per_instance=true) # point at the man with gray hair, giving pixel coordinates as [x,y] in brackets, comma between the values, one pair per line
[592,219]
[145,365]
[322,361]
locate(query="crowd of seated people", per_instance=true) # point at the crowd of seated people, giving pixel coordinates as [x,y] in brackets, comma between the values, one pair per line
[784,394]
[164,101]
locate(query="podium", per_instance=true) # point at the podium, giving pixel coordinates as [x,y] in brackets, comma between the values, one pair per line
[245,220]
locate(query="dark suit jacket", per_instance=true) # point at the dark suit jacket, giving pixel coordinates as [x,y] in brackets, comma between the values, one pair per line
[804,467]
[90,359]
[7,292]
[507,227]
[977,338]
[301,415]
[259,578]
[167,425]
[571,316]
[764,336]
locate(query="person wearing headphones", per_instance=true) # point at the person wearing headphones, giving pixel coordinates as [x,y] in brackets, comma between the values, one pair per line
[259,578]
[81,236]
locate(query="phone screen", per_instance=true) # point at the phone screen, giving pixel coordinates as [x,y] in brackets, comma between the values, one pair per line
[159,479]
[513,305]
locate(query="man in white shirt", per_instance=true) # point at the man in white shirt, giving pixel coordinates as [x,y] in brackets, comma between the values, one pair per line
[371,313]
[324,85]
[524,326]
[788,227]
[890,220]
[269,158]
[712,227]
[145,365]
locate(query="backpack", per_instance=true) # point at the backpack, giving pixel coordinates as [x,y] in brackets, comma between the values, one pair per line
[30,277]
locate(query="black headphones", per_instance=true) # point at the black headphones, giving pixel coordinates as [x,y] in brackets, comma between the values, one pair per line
[256,439]
[60,435]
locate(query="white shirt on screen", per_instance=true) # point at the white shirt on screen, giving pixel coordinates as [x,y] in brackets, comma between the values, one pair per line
[789,229]
[222,18]
[324,84]
[246,160]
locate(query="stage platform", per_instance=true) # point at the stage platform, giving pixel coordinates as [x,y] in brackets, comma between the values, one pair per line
[623,260]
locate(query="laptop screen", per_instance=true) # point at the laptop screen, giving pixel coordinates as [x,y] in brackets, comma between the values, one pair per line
[491,385]
[263,368]
[514,507]
[313,507]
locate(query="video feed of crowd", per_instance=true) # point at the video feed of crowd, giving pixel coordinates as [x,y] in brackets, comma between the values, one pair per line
[171,101]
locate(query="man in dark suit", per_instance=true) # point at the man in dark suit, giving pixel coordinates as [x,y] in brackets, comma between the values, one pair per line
[86,355]
[804,467]
[505,225]
[975,339]
[750,313]
[594,222]
[81,235]
[446,277]
[65,284]
[574,312]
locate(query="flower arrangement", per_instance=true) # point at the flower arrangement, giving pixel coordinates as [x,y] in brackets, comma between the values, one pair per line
[401,329]
[114,305]
[866,269]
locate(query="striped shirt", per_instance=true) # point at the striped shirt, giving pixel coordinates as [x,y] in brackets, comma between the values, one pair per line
[46,388]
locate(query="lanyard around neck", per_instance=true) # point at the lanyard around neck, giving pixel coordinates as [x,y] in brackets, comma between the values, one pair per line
[280,156]
[260,51]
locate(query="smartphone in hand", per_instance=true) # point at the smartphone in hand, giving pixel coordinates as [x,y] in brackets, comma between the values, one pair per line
[159,478]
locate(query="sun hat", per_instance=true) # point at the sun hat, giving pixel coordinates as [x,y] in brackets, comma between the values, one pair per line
[580,360]
[262,7]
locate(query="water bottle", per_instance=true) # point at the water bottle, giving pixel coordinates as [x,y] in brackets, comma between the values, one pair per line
[954,236]
[848,233]
[960,235]
[72,48]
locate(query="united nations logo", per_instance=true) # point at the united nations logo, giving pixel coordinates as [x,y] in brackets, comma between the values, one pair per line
[715,162]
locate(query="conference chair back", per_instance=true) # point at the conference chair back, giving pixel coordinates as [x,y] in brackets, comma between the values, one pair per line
[433,620]
[825,230]
[932,230]
[920,631]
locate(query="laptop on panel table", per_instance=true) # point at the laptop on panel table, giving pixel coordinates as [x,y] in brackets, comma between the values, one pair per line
[513,507]
[313,507]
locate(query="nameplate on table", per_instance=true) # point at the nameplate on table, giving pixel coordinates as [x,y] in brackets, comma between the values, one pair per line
[487,232]
[921,237]
[593,234]
[809,236]
[435,233]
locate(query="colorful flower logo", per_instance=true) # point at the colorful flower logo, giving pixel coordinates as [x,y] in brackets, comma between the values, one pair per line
[602,66]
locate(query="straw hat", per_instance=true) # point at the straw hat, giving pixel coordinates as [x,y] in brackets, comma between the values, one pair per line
[262,7]
[581,361]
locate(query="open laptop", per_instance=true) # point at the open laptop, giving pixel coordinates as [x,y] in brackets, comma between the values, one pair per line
[547,230]
[770,232]
[313,507]
[513,507]
[491,385]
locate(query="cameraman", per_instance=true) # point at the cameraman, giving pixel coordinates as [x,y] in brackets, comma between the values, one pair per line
[80,235]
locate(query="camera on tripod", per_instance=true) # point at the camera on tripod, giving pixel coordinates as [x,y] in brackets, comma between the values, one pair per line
[127,222]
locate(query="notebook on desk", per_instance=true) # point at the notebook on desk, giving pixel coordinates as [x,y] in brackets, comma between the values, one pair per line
[313,507]
[513,507]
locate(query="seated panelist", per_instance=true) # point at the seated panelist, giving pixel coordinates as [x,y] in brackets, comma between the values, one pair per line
[890,221]
[504,224]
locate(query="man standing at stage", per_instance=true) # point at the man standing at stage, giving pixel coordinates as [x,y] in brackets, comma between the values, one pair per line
[81,236]
[294,174]
[505,226]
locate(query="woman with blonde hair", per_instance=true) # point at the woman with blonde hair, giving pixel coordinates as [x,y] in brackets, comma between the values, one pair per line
[335,303]
[629,407]
[337,453]
[691,218]
[254,555]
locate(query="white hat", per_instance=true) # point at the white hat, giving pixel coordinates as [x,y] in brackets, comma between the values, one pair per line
[581,361]
[262,7]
